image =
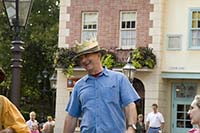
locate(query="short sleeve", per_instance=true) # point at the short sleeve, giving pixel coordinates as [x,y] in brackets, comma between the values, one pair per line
[13,118]
[74,107]
[127,92]
[161,118]
[147,119]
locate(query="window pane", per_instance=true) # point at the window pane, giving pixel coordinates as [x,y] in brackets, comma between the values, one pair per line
[123,24]
[133,24]
[199,15]
[128,38]
[180,107]
[174,42]
[180,124]
[180,91]
[94,26]
[198,24]
[85,27]
[194,15]
[195,38]
[180,115]
[86,35]
[191,91]
[128,24]
[127,16]
[188,124]
[194,24]
[89,26]
[187,115]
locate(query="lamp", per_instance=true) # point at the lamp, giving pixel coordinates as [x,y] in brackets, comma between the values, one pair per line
[53,80]
[129,70]
[17,12]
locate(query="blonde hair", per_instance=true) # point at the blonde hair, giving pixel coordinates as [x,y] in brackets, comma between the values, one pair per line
[140,116]
[197,99]
[32,113]
[49,118]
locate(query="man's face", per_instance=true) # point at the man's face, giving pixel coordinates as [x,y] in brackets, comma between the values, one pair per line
[32,116]
[154,108]
[194,113]
[90,61]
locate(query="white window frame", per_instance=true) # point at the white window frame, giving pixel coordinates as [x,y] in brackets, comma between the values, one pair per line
[127,29]
[193,28]
[90,27]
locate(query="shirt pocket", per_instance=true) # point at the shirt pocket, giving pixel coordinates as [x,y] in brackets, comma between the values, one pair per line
[110,94]
[87,95]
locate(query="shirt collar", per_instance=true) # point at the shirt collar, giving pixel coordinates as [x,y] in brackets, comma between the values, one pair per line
[104,72]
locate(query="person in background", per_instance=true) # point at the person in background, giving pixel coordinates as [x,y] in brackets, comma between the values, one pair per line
[11,120]
[49,125]
[32,120]
[104,98]
[34,128]
[140,126]
[194,113]
[155,121]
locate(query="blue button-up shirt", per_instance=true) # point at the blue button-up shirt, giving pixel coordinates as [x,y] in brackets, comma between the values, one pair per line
[100,102]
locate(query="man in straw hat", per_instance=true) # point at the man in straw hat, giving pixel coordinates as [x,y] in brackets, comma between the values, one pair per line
[11,120]
[105,99]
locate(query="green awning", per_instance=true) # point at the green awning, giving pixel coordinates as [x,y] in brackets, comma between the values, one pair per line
[180,75]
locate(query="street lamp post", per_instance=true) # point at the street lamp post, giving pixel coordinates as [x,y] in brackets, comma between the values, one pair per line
[53,83]
[17,12]
[129,70]
[42,83]
[44,90]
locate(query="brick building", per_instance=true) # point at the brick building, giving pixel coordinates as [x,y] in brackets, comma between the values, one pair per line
[170,27]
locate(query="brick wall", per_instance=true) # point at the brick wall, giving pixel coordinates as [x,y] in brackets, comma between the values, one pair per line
[109,21]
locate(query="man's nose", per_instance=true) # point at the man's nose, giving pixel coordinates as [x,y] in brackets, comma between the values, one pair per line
[188,112]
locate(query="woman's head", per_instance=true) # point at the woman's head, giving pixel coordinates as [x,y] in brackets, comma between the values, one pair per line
[34,126]
[194,111]
[140,117]
[32,115]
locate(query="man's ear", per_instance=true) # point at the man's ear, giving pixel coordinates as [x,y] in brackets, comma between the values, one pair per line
[99,54]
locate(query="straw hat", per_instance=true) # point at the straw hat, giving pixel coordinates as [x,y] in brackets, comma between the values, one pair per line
[87,47]
[2,75]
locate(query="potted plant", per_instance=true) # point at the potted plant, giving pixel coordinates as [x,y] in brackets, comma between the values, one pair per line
[64,59]
[143,57]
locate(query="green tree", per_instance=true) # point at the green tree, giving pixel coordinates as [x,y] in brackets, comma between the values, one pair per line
[41,40]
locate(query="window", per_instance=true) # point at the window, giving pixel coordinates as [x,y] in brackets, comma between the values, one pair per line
[194,29]
[89,25]
[128,29]
[174,42]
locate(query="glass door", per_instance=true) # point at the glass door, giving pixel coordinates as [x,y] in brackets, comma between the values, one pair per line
[182,96]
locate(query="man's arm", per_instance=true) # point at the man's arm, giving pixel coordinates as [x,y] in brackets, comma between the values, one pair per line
[147,126]
[70,124]
[131,116]
[162,126]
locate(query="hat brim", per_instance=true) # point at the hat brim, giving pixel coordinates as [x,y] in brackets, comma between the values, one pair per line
[102,51]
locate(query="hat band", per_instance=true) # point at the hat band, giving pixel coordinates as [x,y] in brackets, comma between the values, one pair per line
[93,50]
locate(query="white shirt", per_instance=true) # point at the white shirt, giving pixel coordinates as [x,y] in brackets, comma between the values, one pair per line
[30,123]
[155,119]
